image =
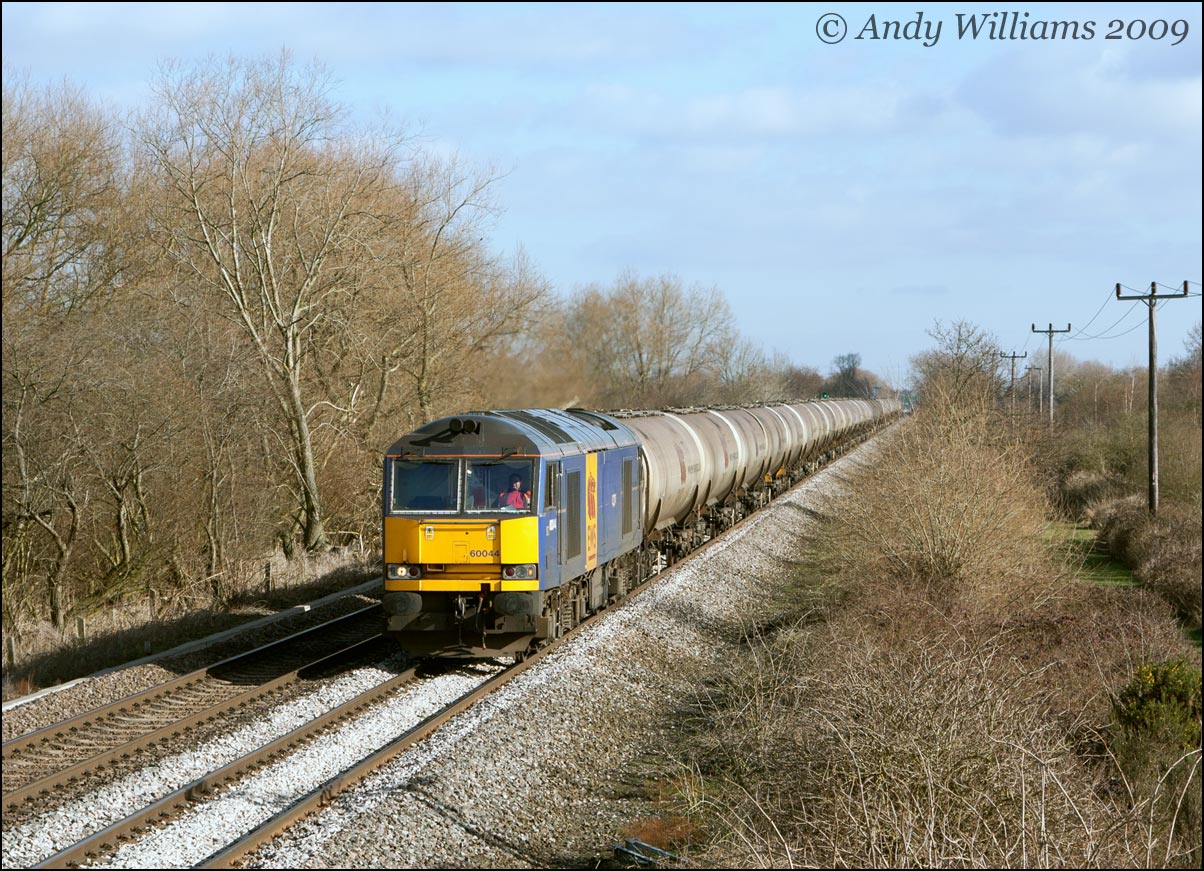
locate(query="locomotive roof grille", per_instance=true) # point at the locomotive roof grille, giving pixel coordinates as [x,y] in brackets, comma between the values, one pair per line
[591,417]
[546,427]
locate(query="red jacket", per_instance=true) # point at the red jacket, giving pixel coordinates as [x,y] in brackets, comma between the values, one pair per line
[514,499]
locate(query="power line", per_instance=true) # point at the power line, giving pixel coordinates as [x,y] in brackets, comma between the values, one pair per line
[1106,335]
[1103,335]
[1083,328]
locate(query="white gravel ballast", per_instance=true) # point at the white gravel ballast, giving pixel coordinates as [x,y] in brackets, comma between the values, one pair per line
[543,773]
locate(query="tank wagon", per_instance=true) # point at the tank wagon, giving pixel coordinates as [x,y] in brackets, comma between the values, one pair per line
[504,529]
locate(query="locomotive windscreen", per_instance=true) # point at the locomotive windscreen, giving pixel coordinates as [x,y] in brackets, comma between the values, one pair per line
[490,485]
[428,485]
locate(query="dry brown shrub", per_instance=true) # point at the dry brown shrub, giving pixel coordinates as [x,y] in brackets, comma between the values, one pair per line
[1124,528]
[1086,643]
[951,513]
[877,752]
[1179,458]
[1163,552]
[668,832]
[953,710]
[1170,561]
[1084,489]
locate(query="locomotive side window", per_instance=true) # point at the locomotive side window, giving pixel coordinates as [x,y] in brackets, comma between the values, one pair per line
[551,496]
[423,486]
[499,485]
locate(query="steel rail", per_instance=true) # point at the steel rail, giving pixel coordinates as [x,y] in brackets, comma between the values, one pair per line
[24,748]
[172,730]
[113,836]
[232,855]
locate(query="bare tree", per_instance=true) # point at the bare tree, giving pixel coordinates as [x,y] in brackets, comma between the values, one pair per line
[457,300]
[962,369]
[41,488]
[650,339]
[271,205]
[61,166]
[63,251]
[848,379]
[1185,373]
[746,374]
[799,382]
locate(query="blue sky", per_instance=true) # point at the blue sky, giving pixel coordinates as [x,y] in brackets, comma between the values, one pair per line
[843,197]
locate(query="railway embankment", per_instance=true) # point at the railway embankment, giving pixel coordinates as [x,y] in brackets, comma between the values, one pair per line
[299,594]
[940,682]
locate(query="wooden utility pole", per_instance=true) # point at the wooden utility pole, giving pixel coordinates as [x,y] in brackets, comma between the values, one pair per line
[1151,299]
[1013,357]
[1029,379]
[1049,365]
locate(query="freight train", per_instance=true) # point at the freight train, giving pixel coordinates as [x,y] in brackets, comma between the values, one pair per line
[504,529]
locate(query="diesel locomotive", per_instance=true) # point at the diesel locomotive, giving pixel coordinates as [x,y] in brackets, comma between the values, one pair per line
[504,529]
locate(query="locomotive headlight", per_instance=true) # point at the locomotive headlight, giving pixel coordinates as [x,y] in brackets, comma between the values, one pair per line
[398,572]
[516,573]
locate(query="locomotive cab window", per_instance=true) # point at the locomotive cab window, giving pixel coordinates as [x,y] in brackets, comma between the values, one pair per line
[429,485]
[499,485]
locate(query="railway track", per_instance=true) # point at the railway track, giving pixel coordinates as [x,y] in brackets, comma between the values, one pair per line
[63,754]
[104,843]
[194,794]
[187,798]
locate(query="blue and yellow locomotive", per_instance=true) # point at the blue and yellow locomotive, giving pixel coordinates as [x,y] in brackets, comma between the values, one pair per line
[504,529]
[469,572]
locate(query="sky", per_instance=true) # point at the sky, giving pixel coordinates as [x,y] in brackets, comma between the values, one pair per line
[844,182]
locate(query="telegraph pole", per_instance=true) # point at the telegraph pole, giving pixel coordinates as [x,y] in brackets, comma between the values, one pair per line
[1040,393]
[1151,299]
[1049,365]
[1013,357]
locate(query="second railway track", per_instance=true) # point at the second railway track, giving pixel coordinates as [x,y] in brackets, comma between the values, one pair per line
[54,757]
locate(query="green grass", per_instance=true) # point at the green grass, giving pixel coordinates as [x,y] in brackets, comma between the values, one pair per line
[1098,567]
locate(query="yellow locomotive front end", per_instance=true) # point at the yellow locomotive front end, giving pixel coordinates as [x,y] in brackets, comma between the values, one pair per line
[461,553]
[446,554]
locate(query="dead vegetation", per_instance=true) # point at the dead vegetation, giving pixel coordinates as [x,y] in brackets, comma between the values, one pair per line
[962,702]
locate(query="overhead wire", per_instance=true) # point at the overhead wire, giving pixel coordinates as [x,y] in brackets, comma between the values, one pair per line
[1106,334]
[1103,305]
[1078,337]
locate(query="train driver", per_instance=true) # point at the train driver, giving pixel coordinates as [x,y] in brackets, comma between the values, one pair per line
[515,497]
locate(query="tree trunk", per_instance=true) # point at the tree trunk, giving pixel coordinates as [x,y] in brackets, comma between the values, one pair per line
[315,532]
